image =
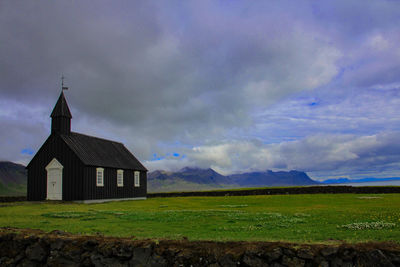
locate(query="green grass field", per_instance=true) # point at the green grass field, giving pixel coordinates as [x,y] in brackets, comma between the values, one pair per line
[317,218]
[13,190]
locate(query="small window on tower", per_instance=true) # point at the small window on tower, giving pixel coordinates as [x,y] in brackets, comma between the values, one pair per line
[137,178]
[99,176]
[120,178]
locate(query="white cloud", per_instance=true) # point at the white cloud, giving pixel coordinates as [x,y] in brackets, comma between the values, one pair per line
[188,77]
[156,78]
[318,153]
[378,42]
[168,164]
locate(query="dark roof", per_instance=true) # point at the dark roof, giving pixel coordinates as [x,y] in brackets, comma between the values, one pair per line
[101,152]
[61,108]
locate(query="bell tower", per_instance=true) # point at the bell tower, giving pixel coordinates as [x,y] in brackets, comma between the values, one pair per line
[61,117]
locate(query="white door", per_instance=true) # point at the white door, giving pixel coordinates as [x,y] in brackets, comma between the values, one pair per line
[54,180]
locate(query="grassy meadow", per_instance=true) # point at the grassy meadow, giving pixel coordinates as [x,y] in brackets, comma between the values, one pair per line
[319,218]
[12,189]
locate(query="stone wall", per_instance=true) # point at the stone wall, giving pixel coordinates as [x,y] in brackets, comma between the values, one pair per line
[265,191]
[24,247]
[287,191]
[12,199]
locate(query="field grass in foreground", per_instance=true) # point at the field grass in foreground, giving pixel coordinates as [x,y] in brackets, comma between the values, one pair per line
[299,218]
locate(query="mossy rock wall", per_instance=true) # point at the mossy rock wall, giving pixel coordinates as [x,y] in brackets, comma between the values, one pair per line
[265,191]
[24,247]
[287,191]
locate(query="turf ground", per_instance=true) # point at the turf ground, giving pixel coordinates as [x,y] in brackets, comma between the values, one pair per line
[316,218]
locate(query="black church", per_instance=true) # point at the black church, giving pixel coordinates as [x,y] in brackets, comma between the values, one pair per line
[73,166]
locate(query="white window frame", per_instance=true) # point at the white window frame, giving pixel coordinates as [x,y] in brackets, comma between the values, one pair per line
[120,178]
[136,175]
[99,171]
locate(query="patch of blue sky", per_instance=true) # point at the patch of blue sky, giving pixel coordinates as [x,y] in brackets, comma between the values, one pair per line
[280,139]
[175,155]
[156,157]
[27,151]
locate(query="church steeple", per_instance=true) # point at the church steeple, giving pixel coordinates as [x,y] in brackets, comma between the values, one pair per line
[61,117]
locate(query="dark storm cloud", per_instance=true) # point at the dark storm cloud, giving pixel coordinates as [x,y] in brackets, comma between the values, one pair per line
[20,130]
[149,67]
[163,77]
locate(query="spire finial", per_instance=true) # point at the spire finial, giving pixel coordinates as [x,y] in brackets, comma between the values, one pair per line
[62,83]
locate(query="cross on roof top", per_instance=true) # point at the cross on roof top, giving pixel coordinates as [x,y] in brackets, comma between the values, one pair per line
[62,83]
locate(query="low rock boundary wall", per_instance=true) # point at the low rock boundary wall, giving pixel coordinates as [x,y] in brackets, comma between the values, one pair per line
[287,191]
[264,191]
[24,247]
[12,199]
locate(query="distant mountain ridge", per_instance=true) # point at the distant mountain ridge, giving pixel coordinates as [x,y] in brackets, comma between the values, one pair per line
[186,179]
[202,179]
[13,178]
[363,180]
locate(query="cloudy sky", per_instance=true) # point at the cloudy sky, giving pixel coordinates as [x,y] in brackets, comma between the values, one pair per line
[232,85]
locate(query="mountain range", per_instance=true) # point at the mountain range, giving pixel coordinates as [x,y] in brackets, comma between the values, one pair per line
[12,179]
[204,179]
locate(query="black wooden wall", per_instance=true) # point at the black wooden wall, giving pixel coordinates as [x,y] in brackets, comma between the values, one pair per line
[110,188]
[79,181]
[54,147]
[61,125]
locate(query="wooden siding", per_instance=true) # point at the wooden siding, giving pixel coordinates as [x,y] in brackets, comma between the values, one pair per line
[54,147]
[142,190]
[111,189]
[79,181]
[79,154]
[61,125]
